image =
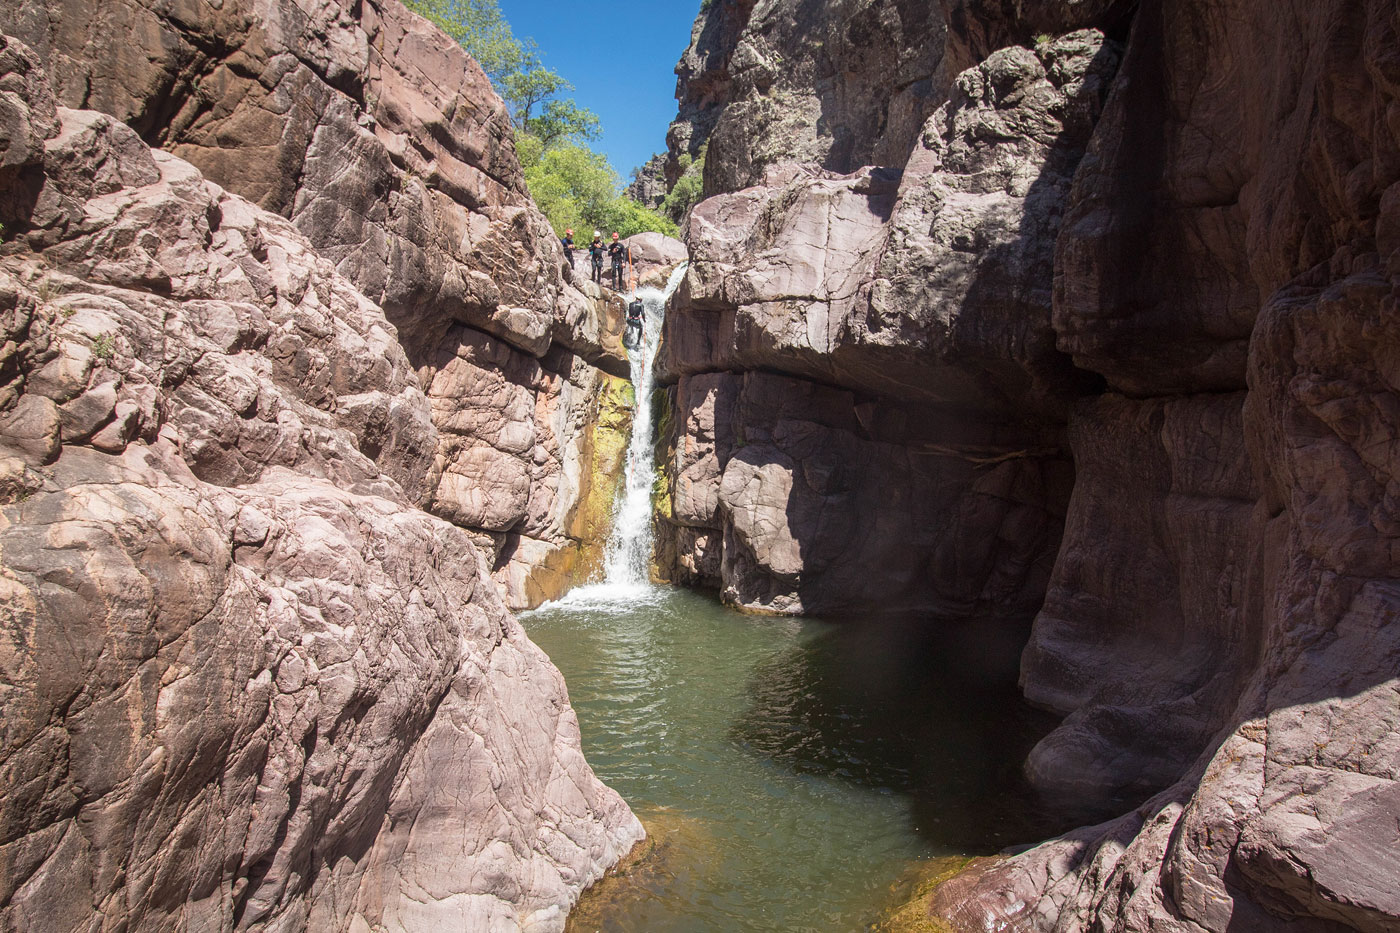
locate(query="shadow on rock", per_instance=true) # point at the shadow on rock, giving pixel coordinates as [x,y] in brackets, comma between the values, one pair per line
[924,708]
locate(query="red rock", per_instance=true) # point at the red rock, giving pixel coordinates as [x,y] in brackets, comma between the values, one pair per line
[248,684]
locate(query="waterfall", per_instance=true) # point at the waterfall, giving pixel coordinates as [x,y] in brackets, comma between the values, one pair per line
[629,549]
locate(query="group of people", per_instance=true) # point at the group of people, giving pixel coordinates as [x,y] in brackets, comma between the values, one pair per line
[597,250]
[620,255]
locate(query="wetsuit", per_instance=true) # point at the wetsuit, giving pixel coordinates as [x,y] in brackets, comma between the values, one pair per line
[595,253]
[618,252]
[568,242]
[633,337]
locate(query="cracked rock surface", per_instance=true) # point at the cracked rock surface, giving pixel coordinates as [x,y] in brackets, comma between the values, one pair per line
[1157,245]
[910,314]
[247,683]
[384,144]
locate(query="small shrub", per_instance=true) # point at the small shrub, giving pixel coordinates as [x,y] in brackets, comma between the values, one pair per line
[104,347]
[689,188]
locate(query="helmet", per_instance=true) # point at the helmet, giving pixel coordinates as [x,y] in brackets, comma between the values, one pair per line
[568,233]
[614,236]
[597,233]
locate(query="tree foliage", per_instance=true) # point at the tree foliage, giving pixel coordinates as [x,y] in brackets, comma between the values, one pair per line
[563,121]
[530,85]
[688,189]
[577,189]
[574,186]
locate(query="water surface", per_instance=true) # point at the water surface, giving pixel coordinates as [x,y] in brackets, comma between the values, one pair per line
[797,767]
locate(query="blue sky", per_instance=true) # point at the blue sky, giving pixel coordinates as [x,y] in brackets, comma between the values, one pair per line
[620,57]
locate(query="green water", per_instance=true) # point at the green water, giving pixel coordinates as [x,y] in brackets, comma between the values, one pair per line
[798,767]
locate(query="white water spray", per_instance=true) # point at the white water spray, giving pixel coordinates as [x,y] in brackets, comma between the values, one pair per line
[629,549]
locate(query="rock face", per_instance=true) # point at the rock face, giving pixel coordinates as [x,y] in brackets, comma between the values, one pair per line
[1119,303]
[649,187]
[383,143]
[1264,639]
[925,296]
[841,85]
[247,683]
[654,257]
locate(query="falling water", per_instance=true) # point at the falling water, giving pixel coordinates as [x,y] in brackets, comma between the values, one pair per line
[629,549]
[787,771]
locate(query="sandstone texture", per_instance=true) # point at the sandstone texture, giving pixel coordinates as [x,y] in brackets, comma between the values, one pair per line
[384,144]
[911,311]
[843,84]
[247,682]
[1097,324]
[1246,281]
[654,257]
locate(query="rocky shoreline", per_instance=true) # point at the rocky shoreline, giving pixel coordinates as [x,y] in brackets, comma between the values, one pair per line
[1075,315]
[248,682]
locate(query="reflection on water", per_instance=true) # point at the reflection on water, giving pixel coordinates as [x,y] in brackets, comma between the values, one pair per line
[807,763]
[925,709]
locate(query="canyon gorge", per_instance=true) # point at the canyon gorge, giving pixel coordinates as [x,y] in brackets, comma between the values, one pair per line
[1077,320]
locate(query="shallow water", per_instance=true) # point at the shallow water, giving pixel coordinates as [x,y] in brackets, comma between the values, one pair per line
[796,767]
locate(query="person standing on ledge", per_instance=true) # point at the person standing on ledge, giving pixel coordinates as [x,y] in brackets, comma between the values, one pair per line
[595,253]
[568,242]
[618,252]
[633,338]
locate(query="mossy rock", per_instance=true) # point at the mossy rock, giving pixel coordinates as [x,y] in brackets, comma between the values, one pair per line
[911,895]
[603,454]
[676,844]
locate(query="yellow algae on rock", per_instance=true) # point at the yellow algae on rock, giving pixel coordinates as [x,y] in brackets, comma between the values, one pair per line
[911,894]
[675,845]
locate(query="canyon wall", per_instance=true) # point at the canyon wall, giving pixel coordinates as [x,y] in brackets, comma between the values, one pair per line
[248,683]
[384,144]
[867,364]
[1105,340]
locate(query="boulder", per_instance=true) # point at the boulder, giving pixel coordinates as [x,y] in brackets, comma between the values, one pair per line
[654,256]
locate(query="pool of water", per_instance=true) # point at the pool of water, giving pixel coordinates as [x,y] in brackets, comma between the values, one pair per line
[796,768]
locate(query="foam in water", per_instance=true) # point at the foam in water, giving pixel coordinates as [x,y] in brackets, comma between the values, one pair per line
[629,550]
[628,556]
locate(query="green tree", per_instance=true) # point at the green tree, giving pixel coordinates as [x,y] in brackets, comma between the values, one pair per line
[563,121]
[577,188]
[530,90]
[530,85]
[574,186]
